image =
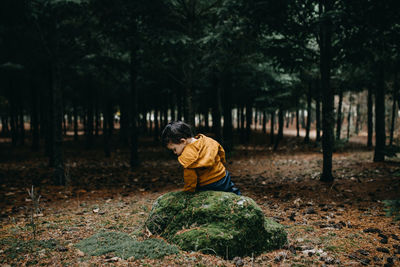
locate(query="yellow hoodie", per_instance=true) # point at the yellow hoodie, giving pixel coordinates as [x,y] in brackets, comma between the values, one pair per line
[203,162]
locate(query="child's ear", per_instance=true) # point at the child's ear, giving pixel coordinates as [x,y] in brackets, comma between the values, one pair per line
[182,140]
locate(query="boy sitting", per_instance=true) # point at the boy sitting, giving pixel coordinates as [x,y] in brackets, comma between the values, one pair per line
[202,159]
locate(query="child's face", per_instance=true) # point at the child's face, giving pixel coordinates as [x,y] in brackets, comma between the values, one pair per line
[177,148]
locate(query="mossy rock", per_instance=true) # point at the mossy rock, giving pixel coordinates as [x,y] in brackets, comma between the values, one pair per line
[215,222]
[124,246]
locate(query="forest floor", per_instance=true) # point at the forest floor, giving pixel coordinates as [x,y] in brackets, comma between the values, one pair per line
[340,223]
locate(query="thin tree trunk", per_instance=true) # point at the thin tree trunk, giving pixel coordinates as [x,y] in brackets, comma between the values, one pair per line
[242,126]
[179,103]
[272,134]
[64,121]
[59,175]
[308,126]
[358,118]
[50,120]
[189,110]
[327,92]
[287,119]
[318,114]
[255,119]
[217,110]
[75,111]
[13,121]
[124,122]
[392,124]
[297,123]
[97,116]
[165,112]
[264,122]
[227,108]
[4,126]
[206,120]
[249,116]
[156,126]
[349,121]
[380,134]
[21,123]
[106,132]
[89,127]
[370,118]
[303,119]
[34,117]
[134,155]
[339,115]
[280,129]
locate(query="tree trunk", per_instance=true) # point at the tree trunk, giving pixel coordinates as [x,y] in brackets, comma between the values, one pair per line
[124,122]
[59,175]
[287,119]
[271,140]
[206,120]
[370,120]
[134,159]
[308,125]
[217,110]
[21,124]
[13,121]
[106,132]
[4,126]
[242,126]
[64,121]
[75,111]
[392,124]
[297,122]
[255,119]
[349,121]
[327,92]
[264,122]
[227,108]
[358,118]
[189,111]
[34,117]
[249,116]
[318,114]
[90,115]
[97,116]
[380,135]
[165,112]
[50,120]
[179,103]
[339,115]
[156,126]
[280,128]
[303,119]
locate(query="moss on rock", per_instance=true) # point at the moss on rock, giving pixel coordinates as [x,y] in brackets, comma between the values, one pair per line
[124,246]
[215,222]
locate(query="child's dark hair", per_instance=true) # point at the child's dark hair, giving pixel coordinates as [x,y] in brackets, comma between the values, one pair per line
[174,131]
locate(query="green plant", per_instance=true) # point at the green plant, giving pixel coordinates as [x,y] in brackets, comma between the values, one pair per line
[34,210]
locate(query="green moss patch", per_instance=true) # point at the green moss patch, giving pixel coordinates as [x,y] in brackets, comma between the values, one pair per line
[123,246]
[215,222]
[15,248]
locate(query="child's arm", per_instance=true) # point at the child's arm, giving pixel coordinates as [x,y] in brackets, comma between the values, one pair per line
[190,178]
[221,154]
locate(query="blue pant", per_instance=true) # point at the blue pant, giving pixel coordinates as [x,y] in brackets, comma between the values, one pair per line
[224,184]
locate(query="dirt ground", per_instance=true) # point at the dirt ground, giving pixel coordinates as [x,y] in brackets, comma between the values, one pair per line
[341,223]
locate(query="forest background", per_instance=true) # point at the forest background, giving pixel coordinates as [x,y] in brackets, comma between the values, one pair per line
[101,78]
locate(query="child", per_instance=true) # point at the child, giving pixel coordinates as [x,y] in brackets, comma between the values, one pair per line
[202,159]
